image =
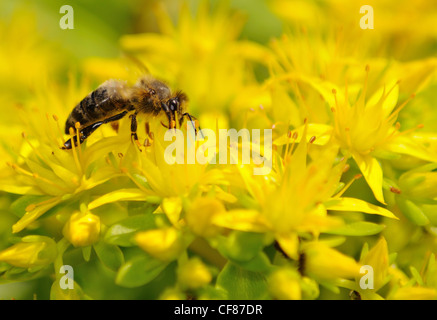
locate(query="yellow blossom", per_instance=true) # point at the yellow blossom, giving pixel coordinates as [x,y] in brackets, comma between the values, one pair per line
[165,244]
[200,216]
[284,284]
[82,229]
[326,263]
[311,189]
[193,274]
[378,259]
[32,251]
[414,293]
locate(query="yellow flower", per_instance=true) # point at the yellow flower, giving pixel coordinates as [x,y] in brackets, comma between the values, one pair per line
[165,244]
[310,188]
[413,22]
[200,216]
[82,229]
[325,263]
[172,294]
[193,274]
[414,293]
[32,251]
[284,284]
[378,259]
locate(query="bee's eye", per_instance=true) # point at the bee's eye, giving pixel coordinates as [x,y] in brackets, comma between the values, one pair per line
[173,104]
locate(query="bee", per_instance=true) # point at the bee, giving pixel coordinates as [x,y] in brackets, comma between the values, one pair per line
[114,99]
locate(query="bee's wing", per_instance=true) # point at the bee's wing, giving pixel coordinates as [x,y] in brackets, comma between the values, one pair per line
[135,65]
[116,90]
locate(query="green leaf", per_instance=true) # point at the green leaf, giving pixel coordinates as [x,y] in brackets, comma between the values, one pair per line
[260,263]
[75,293]
[110,255]
[241,284]
[139,271]
[86,253]
[361,228]
[412,212]
[121,233]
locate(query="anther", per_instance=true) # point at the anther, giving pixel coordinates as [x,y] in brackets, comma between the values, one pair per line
[395,190]
[312,139]
[30,207]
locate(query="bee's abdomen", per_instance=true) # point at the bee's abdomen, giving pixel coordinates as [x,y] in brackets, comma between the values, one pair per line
[99,104]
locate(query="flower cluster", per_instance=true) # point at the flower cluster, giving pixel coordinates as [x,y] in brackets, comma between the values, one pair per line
[353,183]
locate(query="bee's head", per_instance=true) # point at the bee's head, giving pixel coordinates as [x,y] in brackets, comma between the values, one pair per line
[174,105]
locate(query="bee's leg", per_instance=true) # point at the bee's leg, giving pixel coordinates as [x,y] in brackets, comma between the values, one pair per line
[133,129]
[87,131]
[189,116]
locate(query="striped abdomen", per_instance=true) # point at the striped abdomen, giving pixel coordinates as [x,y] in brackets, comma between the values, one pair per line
[106,101]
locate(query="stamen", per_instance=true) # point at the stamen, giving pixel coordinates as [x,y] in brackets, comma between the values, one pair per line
[33,206]
[55,117]
[24,135]
[77,126]
[395,190]
[395,113]
[391,89]
[343,190]
[363,94]
[73,147]
[311,141]
[51,183]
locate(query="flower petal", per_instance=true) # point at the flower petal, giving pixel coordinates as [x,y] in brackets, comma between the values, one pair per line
[352,204]
[120,195]
[372,172]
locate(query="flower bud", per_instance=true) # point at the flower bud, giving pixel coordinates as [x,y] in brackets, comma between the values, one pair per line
[194,274]
[377,258]
[419,185]
[164,244]
[33,251]
[325,263]
[284,285]
[83,229]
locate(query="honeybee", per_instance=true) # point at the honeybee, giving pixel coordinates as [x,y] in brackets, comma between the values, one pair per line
[114,99]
